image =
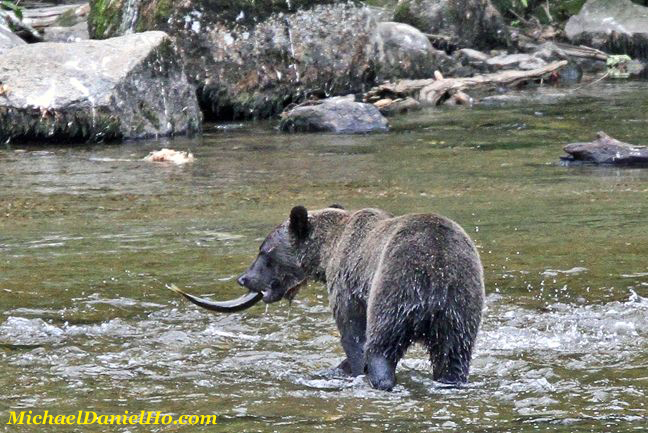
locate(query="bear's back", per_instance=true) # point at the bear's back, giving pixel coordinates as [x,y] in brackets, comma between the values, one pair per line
[353,259]
[374,244]
[429,244]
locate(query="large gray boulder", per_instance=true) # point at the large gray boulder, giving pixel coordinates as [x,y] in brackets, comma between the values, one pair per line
[462,23]
[127,87]
[252,59]
[7,38]
[341,115]
[618,26]
[402,51]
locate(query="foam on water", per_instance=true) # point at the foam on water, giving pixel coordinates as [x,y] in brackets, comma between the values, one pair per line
[90,236]
[520,353]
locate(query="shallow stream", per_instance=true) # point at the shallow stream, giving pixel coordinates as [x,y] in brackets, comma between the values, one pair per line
[90,235]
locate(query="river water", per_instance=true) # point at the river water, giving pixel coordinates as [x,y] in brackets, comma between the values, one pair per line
[90,235]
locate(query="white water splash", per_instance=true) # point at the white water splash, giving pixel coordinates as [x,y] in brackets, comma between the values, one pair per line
[572,271]
[21,330]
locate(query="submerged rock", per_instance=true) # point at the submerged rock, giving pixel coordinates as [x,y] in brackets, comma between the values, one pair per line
[607,150]
[251,59]
[464,23]
[341,115]
[127,87]
[619,26]
[404,52]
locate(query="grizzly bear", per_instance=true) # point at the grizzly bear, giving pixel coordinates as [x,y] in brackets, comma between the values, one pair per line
[392,281]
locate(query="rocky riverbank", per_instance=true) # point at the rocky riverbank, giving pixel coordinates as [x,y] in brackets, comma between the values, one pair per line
[239,60]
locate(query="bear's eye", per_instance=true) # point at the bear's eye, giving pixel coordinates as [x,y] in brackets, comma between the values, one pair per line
[268,261]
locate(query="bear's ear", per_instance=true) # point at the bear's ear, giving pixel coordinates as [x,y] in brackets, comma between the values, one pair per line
[336,206]
[299,225]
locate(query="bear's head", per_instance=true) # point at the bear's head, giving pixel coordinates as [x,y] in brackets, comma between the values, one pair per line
[278,272]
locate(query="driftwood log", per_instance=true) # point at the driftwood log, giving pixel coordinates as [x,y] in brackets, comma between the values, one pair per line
[430,92]
[606,150]
[34,21]
[41,18]
[582,51]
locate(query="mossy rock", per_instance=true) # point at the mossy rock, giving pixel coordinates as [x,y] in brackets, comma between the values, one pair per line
[107,16]
[619,27]
[463,23]
[560,10]
[251,58]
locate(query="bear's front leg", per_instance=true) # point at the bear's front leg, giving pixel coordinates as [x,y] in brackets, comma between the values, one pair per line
[351,321]
[381,372]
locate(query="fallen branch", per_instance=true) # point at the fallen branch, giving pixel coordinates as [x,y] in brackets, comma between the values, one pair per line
[433,92]
[582,51]
[519,17]
[601,78]
[45,17]
[33,21]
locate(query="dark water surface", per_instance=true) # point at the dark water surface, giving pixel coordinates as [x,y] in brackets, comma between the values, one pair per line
[89,236]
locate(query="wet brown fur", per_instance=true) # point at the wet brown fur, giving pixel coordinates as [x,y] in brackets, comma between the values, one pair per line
[393,281]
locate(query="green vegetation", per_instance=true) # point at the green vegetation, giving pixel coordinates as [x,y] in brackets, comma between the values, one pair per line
[106,15]
[11,6]
[105,18]
[154,15]
[404,14]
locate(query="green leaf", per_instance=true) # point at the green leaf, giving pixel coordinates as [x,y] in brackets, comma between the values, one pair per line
[7,5]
